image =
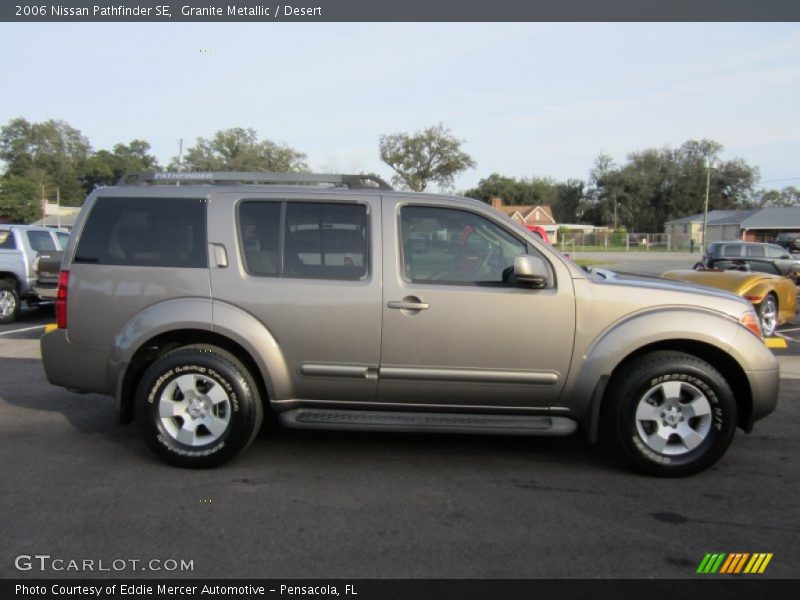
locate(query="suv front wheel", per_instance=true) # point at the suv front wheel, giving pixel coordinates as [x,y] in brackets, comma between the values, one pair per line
[670,414]
[198,407]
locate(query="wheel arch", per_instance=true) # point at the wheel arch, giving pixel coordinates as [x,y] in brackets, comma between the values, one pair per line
[10,277]
[723,362]
[155,347]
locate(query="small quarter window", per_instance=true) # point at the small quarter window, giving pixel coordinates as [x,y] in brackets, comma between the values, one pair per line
[259,236]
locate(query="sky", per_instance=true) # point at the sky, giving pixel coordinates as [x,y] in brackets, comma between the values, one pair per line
[528,99]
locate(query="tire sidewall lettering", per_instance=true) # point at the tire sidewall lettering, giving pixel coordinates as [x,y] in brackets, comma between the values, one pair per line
[162,381]
[718,415]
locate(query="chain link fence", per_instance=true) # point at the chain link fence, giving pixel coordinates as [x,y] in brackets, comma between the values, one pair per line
[611,241]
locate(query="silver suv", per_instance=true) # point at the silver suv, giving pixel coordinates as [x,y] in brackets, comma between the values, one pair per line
[335,302]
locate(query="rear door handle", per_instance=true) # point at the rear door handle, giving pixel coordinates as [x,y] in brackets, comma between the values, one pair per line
[409,304]
[220,255]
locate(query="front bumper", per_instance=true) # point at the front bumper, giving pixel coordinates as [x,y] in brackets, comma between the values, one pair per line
[764,387]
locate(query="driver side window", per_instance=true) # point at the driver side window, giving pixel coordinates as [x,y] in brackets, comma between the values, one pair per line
[444,245]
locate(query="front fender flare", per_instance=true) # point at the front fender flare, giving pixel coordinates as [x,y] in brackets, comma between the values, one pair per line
[585,388]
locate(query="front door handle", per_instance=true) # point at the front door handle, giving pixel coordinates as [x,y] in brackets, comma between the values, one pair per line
[410,303]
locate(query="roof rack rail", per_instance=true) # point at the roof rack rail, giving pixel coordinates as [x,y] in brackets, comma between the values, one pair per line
[354,182]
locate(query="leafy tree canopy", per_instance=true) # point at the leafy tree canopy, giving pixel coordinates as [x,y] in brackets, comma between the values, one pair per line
[18,200]
[239,149]
[433,155]
[106,168]
[656,185]
[49,154]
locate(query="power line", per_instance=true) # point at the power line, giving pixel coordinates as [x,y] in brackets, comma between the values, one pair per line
[761,183]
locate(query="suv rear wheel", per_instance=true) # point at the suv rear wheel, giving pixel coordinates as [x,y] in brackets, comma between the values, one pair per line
[198,407]
[670,414]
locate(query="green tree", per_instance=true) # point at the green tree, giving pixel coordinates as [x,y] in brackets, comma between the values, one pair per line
[239,149]
[513,191]
[569,196]
[19,200]
[430,156]
[49,154]
[788,196]
[656,185]
[106,168]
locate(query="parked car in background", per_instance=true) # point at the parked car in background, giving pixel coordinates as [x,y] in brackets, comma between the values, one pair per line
[47,268]
[759,281]
[540,231]
[335,302]
[789,240]
[787,264]
[19,246]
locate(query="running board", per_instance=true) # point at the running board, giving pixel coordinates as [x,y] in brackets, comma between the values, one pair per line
[373,420]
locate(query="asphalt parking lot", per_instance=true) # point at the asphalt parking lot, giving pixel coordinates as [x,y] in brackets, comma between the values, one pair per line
[76,485]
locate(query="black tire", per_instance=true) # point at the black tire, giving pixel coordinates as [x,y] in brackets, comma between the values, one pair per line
[690,443]
[698,266]
[9,302]
[221,394]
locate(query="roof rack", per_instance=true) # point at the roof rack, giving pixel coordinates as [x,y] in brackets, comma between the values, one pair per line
[354,182]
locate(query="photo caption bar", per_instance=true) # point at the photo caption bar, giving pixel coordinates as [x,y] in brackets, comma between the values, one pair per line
[406,11]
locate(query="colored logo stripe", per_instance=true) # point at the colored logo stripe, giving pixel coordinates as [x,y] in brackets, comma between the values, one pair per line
[711,563]
[758,563]
[734,563]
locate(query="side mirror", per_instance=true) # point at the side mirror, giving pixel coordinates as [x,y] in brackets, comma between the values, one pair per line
[531,271]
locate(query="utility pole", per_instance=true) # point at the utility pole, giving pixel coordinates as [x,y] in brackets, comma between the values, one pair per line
[615,211]
[705,210]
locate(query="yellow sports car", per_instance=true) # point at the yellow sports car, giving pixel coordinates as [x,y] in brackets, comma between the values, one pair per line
[773,295]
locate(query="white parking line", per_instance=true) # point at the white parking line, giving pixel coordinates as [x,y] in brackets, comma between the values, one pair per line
[21,330]
[786,337]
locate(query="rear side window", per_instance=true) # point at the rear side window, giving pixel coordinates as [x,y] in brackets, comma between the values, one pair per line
[41,241]
[7,241]
[325,240]
[314,240]
[732,250]
[145,232]
[755,251]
